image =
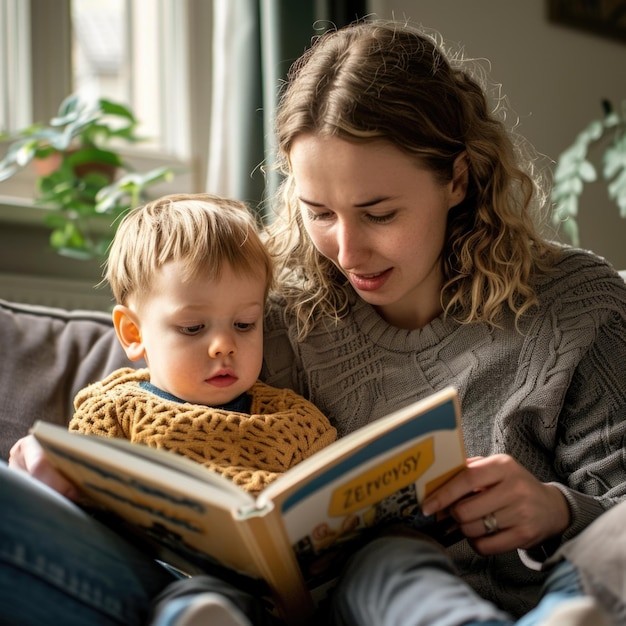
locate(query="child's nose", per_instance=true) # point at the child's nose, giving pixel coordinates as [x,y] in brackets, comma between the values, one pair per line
[222,344]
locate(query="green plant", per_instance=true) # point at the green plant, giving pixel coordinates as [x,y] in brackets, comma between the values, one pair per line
[574,168]
[80,185]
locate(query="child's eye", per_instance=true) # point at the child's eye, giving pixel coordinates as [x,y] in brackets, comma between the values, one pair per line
[244,326]
[191,330]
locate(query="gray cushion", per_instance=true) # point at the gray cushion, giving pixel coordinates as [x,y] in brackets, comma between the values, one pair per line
[47,356]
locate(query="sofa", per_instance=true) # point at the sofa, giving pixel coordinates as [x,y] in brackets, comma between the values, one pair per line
[48,355]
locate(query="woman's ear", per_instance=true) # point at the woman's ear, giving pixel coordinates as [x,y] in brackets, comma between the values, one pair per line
[460,179]
[128,332]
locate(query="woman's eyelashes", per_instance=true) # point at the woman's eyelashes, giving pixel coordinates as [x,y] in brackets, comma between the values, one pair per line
[381,219]
[312,216]
[371,217]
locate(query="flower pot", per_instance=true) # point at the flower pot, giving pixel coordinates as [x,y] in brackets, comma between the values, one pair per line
[48,165]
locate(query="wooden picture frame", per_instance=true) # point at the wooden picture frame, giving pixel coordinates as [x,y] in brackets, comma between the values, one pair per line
[602,17]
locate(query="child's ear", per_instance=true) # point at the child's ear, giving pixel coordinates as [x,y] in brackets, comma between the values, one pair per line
[128,332]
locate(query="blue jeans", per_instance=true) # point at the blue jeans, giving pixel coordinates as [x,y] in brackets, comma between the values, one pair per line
[410,581]
[58,565]
[562,584]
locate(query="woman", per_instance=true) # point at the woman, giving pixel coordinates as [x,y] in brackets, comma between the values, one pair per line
[410,261]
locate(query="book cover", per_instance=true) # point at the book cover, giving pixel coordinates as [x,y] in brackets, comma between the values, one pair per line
[290,541]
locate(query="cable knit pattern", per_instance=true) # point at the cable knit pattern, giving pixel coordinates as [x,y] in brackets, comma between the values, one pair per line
[252,450]
[552,394]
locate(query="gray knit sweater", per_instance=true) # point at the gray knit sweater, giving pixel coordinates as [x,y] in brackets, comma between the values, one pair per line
[551,394]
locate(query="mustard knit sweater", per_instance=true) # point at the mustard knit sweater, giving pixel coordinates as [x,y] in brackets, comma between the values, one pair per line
[252,450]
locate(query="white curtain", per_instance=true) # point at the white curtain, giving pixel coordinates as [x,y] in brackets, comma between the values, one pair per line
[234,139]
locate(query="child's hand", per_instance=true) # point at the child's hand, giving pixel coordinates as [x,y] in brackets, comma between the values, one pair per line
[27,455]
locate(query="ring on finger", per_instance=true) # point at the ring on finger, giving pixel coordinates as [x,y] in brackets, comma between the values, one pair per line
[491,524]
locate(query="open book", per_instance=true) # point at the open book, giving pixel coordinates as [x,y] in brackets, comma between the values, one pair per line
[288,543]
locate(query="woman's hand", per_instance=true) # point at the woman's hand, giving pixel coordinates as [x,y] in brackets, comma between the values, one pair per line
[501,506]
[27,455]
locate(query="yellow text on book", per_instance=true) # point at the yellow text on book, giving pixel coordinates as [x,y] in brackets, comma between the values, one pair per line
[383,480]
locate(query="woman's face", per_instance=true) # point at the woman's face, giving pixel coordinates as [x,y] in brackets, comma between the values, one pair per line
[380,218]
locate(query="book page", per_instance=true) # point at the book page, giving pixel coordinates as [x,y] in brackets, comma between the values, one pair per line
[161,461]
[184,506]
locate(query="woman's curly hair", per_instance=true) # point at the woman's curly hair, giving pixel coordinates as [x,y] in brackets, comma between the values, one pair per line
[389,81]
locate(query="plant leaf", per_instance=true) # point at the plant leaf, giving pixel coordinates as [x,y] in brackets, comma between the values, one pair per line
[587,172]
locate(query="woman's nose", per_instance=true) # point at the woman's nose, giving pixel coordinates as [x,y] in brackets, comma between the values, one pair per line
[222,344]
[350,246]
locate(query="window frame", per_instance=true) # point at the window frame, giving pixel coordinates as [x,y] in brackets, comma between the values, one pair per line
[187,98]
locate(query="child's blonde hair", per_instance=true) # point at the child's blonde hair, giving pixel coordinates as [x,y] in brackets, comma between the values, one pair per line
[201,231]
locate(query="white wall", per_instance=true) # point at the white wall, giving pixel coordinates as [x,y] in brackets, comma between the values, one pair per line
[554,76]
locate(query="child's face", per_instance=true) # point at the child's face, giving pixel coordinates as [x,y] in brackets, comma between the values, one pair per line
[203,339]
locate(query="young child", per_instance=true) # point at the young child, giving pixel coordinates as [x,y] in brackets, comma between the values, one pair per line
[190,276]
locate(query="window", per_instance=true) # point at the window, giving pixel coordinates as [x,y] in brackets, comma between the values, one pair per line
[141,52]
[15,101]
[129,50]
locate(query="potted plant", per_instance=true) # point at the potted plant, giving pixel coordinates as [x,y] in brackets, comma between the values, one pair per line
[574,168]
[79,172]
